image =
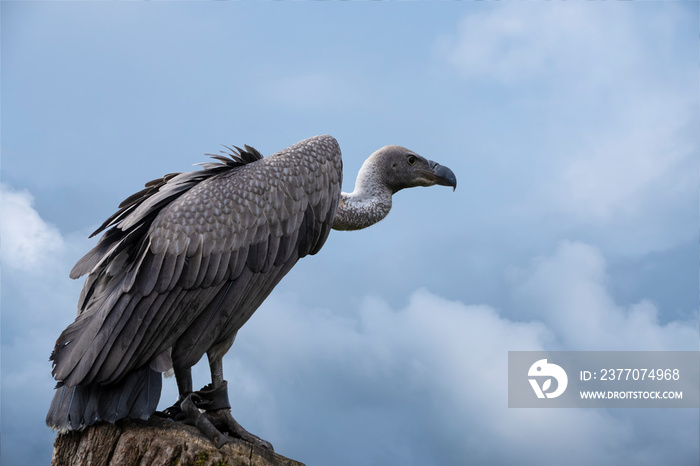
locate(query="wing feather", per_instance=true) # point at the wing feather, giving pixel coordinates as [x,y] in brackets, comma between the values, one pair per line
[86,341]
[222,269]
[177,272]
[203,268]
[149,272]
[212,270]
[190,270]
[236,263]
[102,365]
[166,272]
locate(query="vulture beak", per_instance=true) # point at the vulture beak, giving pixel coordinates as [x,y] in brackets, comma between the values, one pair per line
[443,175]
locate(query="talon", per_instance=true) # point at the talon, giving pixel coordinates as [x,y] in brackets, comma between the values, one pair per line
[224,421]
[202,422]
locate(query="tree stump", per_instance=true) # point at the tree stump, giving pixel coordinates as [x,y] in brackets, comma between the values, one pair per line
[156,442]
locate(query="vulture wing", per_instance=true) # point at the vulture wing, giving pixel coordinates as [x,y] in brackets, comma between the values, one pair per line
[184,263]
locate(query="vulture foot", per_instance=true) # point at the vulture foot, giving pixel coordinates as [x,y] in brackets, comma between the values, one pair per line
[216,421]
[224,421]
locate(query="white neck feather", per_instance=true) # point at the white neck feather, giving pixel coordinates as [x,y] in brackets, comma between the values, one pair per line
[368,203]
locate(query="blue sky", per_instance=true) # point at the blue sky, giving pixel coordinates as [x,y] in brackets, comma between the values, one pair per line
[572,129]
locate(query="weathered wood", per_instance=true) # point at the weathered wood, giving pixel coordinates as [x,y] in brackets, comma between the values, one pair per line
[156,442]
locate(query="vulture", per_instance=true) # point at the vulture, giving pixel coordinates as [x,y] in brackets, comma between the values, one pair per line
[185,262]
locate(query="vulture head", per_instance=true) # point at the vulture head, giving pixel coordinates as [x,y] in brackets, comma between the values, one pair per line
[402,168]
[384,173]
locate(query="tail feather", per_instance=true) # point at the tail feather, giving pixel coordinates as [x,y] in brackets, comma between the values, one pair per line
[136,397]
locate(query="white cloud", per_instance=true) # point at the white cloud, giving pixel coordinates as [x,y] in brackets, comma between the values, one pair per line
[27,240]
[568,291]
[516,43]
[618,175]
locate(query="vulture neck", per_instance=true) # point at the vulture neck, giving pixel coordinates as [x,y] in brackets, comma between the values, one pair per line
[368,203]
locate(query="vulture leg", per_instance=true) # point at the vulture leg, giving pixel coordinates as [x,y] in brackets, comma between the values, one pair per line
[214,399]
[183,376]
[184,381]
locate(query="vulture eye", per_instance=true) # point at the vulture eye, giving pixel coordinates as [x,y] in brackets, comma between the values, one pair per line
[411,159]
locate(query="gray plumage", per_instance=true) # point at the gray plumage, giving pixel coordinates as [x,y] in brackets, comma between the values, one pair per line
[183,264]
